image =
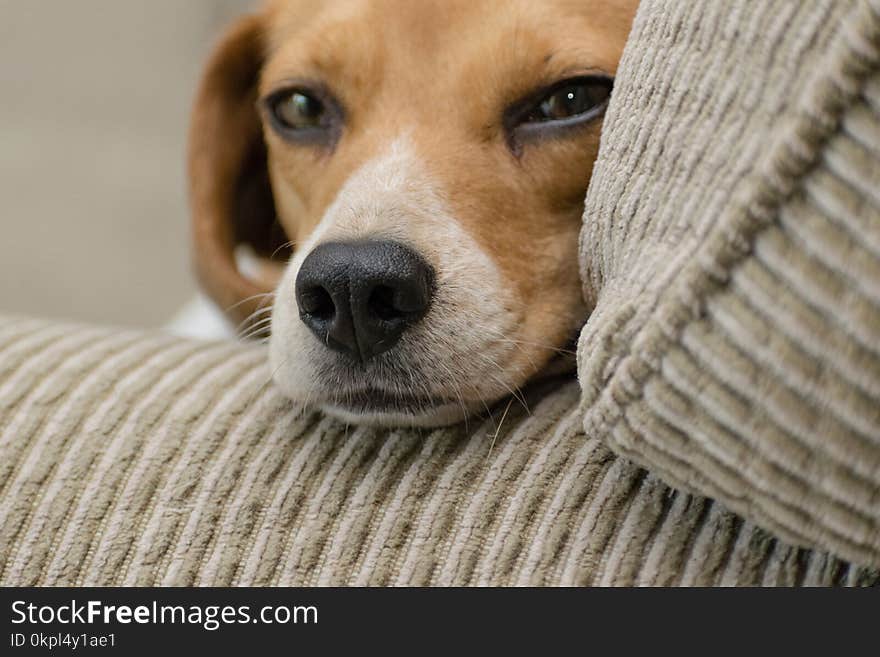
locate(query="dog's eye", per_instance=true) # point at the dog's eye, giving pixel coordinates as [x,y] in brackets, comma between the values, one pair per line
[552,111]
[298,110]
[583,98]
[305,115]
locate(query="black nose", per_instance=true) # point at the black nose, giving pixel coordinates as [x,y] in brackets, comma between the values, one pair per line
[359,297]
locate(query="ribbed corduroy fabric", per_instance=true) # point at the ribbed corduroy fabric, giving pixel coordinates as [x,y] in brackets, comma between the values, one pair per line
[130,458]
[732,248]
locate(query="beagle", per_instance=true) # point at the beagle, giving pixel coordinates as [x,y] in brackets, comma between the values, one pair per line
[416,169]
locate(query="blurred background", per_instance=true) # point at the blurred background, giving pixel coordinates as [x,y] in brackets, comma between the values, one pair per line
[94,103]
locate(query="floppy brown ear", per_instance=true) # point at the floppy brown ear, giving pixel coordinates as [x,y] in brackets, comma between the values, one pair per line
[230,195]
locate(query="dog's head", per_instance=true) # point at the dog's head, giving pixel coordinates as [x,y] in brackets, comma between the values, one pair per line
[428,163]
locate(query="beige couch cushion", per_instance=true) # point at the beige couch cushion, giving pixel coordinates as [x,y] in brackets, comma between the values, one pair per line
[732,247]
[130,458]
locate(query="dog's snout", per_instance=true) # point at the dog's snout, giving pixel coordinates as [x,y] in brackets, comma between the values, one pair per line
[359,297]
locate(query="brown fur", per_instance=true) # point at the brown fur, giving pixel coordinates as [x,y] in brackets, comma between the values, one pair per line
[444,70]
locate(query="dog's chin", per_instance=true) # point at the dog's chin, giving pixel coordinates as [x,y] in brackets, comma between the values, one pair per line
[376,407]
[421,416]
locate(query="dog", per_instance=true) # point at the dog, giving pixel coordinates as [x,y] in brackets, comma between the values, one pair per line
[413,174]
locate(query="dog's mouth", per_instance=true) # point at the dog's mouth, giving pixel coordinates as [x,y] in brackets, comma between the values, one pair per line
[374,400]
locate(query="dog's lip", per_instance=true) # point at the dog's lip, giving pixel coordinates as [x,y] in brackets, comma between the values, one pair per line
[377,400]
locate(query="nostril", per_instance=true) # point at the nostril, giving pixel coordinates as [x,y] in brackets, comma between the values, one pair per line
[317,302]
[381,303]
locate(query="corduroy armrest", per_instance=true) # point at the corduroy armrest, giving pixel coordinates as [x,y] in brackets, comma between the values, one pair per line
[132,458]
[732,247]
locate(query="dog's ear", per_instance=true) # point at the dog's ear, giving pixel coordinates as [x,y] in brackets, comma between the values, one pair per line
[230,195]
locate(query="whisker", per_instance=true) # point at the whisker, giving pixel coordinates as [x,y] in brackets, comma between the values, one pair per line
[488,412]
[457,389]
[251,298]
[498,430]
[502,337]
[255,329]
[290,244]
[558,350]
[261,310]
[254,316]
[517,394]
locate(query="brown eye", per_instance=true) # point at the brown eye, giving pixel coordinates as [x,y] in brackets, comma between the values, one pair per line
[583,98]
[305,114]
[298,111]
